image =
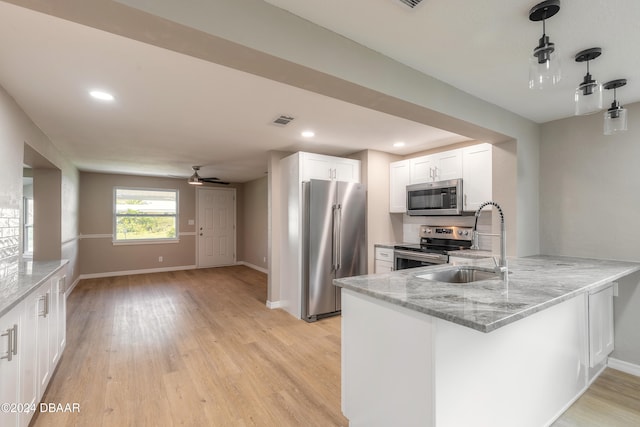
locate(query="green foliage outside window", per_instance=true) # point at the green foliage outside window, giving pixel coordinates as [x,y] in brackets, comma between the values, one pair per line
[145,214]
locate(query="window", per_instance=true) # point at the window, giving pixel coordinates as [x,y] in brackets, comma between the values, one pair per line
[28,226]
[144,215]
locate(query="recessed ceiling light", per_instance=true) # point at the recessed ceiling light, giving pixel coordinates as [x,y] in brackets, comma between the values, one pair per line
[308,133]
[398,144]
[103,96]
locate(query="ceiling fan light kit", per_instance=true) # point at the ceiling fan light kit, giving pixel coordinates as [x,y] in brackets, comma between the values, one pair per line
[196,179]
[588,95]
[544,65]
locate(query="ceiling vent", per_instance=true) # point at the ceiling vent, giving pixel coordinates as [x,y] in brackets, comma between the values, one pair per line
[282,120]
[411,3]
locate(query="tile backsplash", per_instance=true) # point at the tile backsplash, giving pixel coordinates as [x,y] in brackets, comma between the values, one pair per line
[9,241]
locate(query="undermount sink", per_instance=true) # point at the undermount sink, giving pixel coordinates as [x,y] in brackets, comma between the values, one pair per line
[461,275]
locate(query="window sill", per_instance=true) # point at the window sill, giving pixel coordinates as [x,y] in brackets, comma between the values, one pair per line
[144,242]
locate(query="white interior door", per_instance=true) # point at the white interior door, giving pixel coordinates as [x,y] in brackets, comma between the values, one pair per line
[216,231]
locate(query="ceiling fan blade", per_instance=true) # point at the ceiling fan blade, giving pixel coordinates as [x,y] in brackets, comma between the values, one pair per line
[213,181]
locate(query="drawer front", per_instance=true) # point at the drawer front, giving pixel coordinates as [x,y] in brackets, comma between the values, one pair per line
[384,254]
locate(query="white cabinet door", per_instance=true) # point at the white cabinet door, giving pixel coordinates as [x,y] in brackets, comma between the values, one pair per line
[29,356]
[43,360]
[601,340]
[422,169]
[346,169]
[399,178]
[447,165]
[10,352]
[316,166]
[61,329]
[477,170]
[329,168]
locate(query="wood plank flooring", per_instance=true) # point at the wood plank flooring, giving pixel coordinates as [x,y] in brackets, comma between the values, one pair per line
[193,348]
[613,400]
[199,348]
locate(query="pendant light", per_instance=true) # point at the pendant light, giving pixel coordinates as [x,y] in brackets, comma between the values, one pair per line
[544,65]
[588,95]
[615,118]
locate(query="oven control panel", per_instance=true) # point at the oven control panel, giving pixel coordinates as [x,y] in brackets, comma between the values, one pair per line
[446,232]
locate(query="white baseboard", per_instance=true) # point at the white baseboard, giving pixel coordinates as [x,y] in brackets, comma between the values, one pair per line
[623,366]
[132,272]
[68,291]
[274,304]
[255,267]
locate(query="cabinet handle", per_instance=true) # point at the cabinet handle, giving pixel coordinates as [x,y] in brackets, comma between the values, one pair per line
[465,200]
[12,338]
[45,307]
[435,172]
[430,172]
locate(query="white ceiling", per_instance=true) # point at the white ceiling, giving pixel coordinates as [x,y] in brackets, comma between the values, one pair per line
[173,111]
[483,47]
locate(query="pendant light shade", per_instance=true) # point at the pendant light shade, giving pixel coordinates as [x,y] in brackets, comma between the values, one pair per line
[544,65]
[615,118]
[588,96]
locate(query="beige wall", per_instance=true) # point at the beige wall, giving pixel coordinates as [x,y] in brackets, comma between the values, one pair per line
[100,256]
[254,231]
[17,131]
[382,227]
[590,205]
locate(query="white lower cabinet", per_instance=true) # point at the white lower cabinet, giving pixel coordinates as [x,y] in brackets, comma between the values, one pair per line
[33,336]
[42,341]
[601,335]
[10,329]
[383,260]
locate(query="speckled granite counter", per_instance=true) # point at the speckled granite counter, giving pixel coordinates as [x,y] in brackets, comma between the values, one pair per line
[471,254]
[535,283]
[21,278]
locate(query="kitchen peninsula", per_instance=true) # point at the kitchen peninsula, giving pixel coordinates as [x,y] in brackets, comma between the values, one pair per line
[486,353]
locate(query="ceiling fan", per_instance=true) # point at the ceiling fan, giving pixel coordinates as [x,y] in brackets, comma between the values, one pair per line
[196,179]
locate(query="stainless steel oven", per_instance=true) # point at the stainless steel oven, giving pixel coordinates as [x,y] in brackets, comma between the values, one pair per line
[435,243]
[403,259]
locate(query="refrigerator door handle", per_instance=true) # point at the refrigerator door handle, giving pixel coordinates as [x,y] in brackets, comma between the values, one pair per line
[334,246]
[338,239]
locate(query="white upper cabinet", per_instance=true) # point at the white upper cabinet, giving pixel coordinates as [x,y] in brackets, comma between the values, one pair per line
[447,165]
[421,169]
[436,167]
[329,168]
[399,178]
[477,171]
[473,164]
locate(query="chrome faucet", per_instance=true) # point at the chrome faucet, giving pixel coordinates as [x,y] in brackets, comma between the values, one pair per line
[500,267]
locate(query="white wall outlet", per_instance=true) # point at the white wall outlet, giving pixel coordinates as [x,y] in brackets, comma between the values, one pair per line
[191,222]
[160,259]
[264,259]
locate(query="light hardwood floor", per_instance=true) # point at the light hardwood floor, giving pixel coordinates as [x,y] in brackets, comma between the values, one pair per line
[199,348]
[613,400]
[194,348]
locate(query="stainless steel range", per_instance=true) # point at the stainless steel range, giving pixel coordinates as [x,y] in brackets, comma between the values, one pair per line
[435,243]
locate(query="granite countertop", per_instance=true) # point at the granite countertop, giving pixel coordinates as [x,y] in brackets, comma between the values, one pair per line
[472,254]
[535,283]
[386,245]
[20,277]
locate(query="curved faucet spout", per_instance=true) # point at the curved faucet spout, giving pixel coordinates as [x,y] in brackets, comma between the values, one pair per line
[501,267]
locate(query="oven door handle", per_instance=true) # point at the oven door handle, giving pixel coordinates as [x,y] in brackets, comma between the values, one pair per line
[419,256]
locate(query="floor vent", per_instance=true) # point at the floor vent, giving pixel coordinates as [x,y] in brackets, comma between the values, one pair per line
[411,3]
[282,120]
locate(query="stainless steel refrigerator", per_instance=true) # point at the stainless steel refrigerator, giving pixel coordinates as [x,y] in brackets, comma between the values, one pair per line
[333,243]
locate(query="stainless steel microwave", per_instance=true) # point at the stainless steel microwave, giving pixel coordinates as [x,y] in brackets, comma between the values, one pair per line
[435,198]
